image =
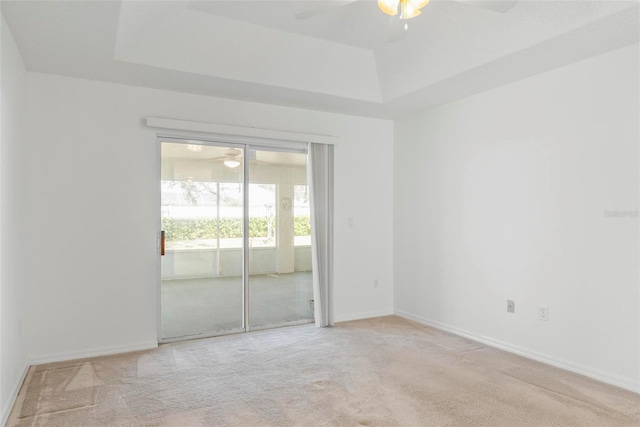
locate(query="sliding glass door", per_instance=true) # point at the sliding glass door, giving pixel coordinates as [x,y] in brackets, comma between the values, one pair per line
[280,282]
[236,247]
[202,215]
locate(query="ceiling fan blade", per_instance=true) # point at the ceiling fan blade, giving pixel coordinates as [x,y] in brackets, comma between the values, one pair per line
[395,30]
[500,6]
[211,159]
[322,8]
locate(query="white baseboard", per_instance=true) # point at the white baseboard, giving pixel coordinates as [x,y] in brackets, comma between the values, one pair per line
[4,415]
[360,316]
[83,354]
[604,377]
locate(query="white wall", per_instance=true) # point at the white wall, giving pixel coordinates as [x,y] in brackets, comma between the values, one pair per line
[503,196]
[93,289]
[13,348]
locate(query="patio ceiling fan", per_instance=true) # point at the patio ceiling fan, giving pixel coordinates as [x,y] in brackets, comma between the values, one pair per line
[405,8]
[232,158]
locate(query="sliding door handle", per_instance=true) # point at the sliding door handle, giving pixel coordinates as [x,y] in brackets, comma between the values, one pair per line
[162,243]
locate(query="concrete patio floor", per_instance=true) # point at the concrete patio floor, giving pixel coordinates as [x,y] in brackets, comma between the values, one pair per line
[211,305]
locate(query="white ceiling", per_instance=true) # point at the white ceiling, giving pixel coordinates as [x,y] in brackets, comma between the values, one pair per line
[339,61]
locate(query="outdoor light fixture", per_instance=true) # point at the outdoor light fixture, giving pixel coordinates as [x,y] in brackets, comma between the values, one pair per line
[408,8]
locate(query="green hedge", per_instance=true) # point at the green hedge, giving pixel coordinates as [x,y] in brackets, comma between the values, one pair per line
[177,229]
[301,226]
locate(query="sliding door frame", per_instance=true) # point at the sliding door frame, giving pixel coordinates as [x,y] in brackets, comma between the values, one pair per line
[211,143]
[245,239]
[246,145]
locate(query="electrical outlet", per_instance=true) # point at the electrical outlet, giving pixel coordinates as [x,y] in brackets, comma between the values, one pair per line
[511,306]
[543,312]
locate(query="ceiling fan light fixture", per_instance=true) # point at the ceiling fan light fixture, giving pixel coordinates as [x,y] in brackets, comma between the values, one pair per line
[390,7]
[408,8]
[409,11]
[232,163]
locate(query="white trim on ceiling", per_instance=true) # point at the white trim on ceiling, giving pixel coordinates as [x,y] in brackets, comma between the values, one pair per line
[241,134]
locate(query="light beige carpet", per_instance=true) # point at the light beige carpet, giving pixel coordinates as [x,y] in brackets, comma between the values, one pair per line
[378,372]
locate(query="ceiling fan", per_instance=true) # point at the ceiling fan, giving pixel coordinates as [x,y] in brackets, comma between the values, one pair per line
[405,8]
[232,158]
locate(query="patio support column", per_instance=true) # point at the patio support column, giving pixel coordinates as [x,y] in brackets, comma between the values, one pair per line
[284,228]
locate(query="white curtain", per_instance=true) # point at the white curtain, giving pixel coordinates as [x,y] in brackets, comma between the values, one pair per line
[320,178]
